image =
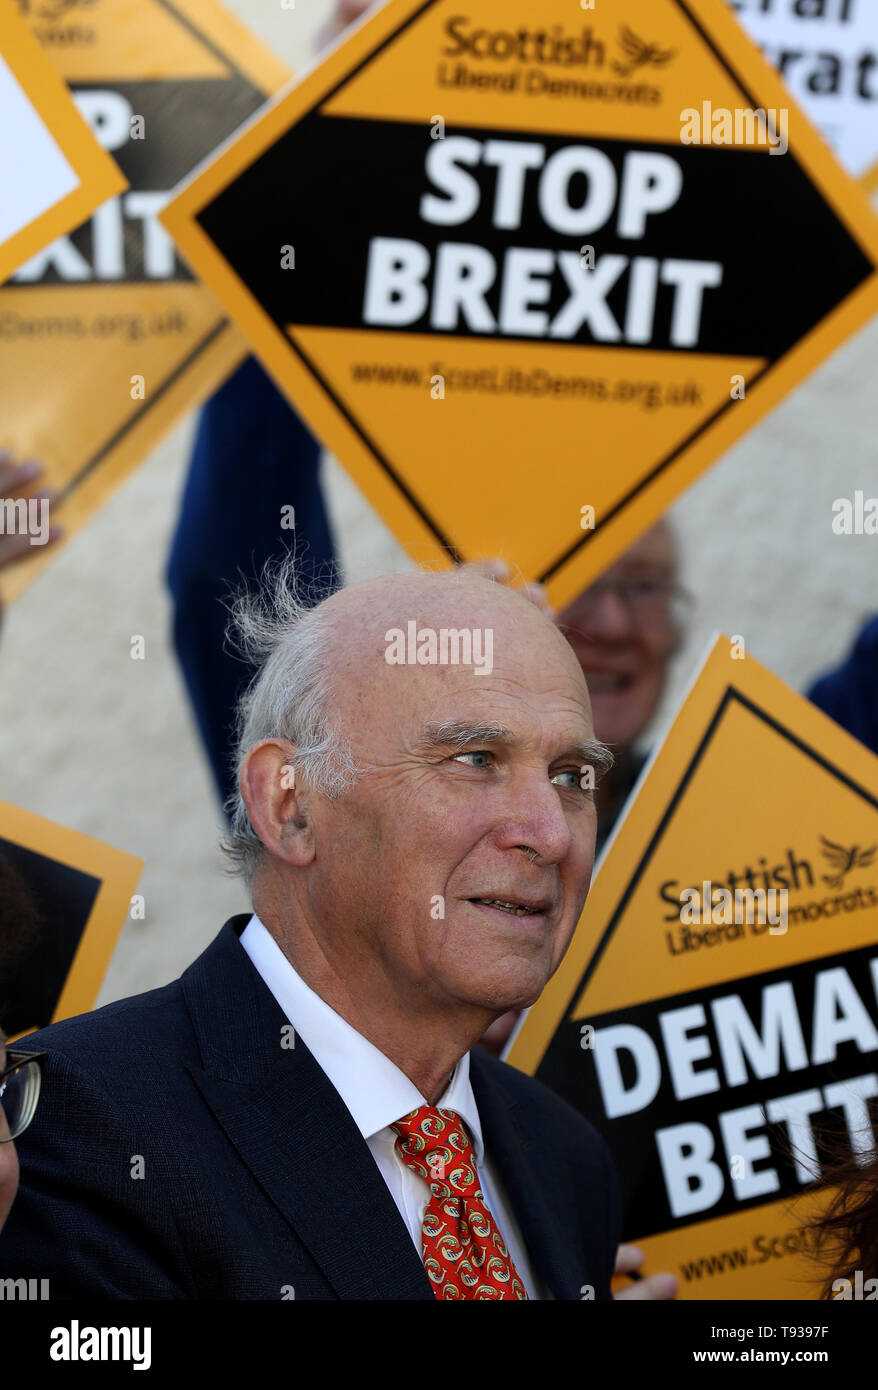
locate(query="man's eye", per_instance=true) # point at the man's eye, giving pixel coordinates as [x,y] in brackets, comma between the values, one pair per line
[478,753]
[570,772]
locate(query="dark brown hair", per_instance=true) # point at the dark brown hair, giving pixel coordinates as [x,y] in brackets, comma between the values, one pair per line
[846,1234]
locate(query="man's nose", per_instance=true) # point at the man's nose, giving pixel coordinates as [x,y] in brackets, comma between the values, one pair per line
[608,615]
[538,822]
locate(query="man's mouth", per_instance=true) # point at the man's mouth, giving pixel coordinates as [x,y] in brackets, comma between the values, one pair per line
[515,908]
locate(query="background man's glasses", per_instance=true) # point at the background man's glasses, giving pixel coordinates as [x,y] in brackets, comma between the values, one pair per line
[650,602]
[19,1091]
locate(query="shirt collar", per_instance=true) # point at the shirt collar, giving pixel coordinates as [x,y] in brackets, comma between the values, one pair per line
[374,1089]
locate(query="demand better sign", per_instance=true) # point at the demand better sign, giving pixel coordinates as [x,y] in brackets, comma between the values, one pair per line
[716,1015]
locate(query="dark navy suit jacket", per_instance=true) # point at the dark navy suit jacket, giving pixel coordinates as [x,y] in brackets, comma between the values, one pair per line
[255,1179]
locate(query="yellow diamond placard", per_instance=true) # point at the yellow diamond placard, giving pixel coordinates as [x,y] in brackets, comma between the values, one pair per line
[106,338]
[528,274]
[716,1015]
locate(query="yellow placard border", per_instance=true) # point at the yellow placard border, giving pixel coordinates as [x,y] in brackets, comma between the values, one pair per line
[118,873]
[99,176]
[253,58]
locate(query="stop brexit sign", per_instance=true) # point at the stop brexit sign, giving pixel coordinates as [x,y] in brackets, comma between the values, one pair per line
[528,277]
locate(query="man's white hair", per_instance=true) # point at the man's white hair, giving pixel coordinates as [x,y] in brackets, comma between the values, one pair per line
[290,641]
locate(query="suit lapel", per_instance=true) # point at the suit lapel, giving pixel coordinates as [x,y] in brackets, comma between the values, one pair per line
[294,1132]
[514,1152]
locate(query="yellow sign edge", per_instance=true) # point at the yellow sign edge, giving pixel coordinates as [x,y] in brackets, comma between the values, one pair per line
[185,392]
[118,872]
[99,175]
[251,55]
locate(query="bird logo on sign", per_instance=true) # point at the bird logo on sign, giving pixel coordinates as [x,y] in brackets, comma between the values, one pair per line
[843,861]
[640,54]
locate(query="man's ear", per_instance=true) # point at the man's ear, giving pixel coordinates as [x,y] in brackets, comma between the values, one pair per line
[276,801]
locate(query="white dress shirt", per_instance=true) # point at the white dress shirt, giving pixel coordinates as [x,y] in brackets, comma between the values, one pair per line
[377,1093]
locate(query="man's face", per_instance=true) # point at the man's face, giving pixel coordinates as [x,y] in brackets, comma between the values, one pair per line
[406,861]
[623,647]
[8,1160]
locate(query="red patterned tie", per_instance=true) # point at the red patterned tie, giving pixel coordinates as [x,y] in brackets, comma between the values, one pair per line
[464,1253]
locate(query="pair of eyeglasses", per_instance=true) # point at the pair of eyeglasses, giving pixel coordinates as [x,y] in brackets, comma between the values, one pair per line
[649,601]
[19,1091]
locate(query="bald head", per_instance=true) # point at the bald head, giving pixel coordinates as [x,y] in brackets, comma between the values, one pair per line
[434,621]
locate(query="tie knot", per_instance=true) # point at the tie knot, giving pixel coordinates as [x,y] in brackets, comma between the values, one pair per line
[434,1142]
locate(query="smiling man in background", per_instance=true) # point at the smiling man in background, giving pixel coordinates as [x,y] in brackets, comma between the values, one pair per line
[624,629]
[301,1110]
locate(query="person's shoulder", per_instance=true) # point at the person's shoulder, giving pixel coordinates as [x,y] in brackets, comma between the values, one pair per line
[138,1026]
[145,1030]
[551,1117]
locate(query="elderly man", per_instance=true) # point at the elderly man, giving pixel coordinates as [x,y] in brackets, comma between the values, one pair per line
[300,1115]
